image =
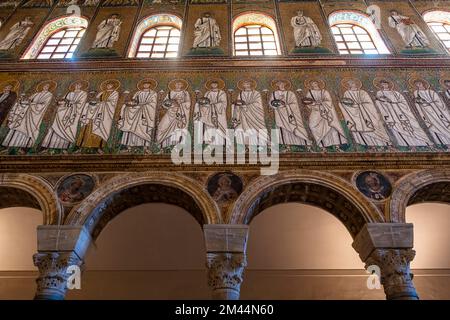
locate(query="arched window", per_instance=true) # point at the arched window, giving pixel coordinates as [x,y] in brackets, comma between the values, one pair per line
[355,33]
[439,22]
[157,36]
[58,39]
[255,35]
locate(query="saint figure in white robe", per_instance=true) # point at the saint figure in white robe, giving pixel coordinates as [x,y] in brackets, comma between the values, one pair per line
[39,3]
[26,117]
[97,118]
[412,35]
[16,34]
[248,116]
[447,91]
[108,32]
[323,120]
[210,115]
[90,3]
[63,131]
[206,32]
[173,126]
[362,117]
[399,118]
[137,118]
[433,111]
[306,32]
[287,116]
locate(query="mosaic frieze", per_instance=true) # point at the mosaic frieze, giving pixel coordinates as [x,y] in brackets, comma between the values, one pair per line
[116,113]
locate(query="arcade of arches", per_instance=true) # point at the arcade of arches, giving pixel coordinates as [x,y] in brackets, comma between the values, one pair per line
[149,238]
[348,102]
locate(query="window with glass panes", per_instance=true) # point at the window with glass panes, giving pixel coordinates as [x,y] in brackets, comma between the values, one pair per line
[62,44]
[159,42]
[352,39]
[442,31]
[255,40]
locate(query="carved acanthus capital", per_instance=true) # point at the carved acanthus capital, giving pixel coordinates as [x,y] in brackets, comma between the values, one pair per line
[396,276]
[52,280]
[225,270]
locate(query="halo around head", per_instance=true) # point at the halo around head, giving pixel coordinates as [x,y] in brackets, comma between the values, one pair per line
[241,82]
[345,81]
[286,82]
[320,82]
[171,84]
[153,83]
[220,83]
[52,85]
[412,82]
[114,82]
[84,85]
[442,81]
[377,83]
[13,83]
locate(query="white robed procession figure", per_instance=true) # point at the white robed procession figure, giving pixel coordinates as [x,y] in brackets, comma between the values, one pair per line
[210,113]
[120,3]
[137,117]
[26,116]
[412,35]
[288,117]
[432,110]
[323,120]
[108,32]
[63,130]
[206,32]
[361,115]
[16,34]
[247,115]
[398,116]
[39,3]
[98,115]
[173,126]
[90,3]
[446,86]
[306,32]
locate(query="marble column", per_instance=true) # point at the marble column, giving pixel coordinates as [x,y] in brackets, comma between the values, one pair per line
[389,246]
[59,247]
[225,259]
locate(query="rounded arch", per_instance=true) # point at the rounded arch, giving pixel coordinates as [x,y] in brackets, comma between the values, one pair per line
[16,190]
[433,15]
[149,22]
[362,20]
[256,18]
[49,29]
[125,191]
[323,190]
[423,186]
[439,23]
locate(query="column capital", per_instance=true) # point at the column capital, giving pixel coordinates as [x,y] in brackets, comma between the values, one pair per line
[389,246]
[53,276]
[396,276]
[226,237]
[226,245]
[225,271]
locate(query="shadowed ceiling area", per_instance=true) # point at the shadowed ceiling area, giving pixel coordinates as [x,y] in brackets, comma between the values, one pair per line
[13,197]
[128,198]
[434,192]
[316,195]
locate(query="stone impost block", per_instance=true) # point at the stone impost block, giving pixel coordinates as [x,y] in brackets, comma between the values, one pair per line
[383,235]
[225,238]
[53,238]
